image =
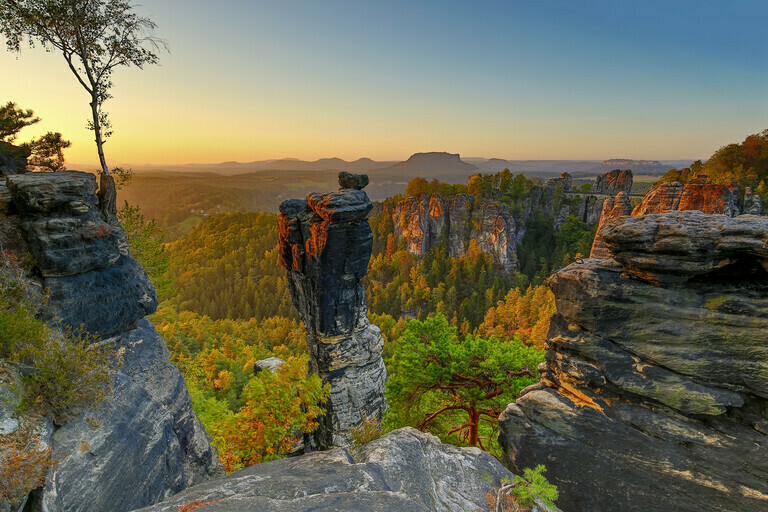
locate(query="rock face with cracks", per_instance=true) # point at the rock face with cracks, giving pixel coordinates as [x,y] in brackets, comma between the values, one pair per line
[325,243]
[655,388]
[146,442]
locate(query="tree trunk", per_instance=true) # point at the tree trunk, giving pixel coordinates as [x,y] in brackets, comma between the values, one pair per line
[474,426]
[97,134]
[107,195]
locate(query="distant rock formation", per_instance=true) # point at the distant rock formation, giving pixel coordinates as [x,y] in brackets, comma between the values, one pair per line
[613,182]
[637,166]
[325,243]
[655,387]
[425,221]
[146,443]
[431,162]
[613,208]
[698,194]
[405,471]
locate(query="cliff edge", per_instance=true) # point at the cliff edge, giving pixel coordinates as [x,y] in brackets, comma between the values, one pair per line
[146,443]
[655,387]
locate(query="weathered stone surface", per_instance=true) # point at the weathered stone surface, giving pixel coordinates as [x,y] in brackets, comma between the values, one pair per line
[104,302]
[698,194]
[356,181]
[753,203]
[613,208]
[405,470]
[346,205]
[613,182]
[665,197]
[680,245]
[145,444]
[63,227]
[655,397]
[326,254]
[701,194]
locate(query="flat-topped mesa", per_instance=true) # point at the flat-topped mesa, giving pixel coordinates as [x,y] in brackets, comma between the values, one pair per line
[325,243]
[655,387]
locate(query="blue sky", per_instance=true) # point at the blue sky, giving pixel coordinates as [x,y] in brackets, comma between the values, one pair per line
[248,80]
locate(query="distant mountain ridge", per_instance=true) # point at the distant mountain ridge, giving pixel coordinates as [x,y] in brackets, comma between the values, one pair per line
[444,165]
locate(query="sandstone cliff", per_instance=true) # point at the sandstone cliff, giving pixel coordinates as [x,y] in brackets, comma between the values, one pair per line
[698,194]
[146,443]
[654,394]
[325,244]
[498,226]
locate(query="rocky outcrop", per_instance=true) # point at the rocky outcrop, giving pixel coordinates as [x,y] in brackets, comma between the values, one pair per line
[146,443]
[405,470]
[655,395]
[698,194]
[325,243]
[427,221]
[613,182]
[753,203]
[613,208]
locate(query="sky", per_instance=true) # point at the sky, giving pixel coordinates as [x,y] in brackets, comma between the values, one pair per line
[248,80]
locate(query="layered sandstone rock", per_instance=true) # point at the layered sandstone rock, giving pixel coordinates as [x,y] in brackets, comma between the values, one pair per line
[146,442]
[325,243]
[613,208]
[655,395]
[753,203]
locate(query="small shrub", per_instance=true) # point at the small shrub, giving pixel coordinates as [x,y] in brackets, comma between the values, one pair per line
[66,372]
[533,485]
[369,429]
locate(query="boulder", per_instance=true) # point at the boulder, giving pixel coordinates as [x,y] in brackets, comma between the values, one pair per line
[753,203]
[271,363]
[654,395]
[405,470]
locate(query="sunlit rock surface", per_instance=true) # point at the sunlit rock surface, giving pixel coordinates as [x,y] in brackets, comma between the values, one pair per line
[655,394]
[146,443]
[325,243]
